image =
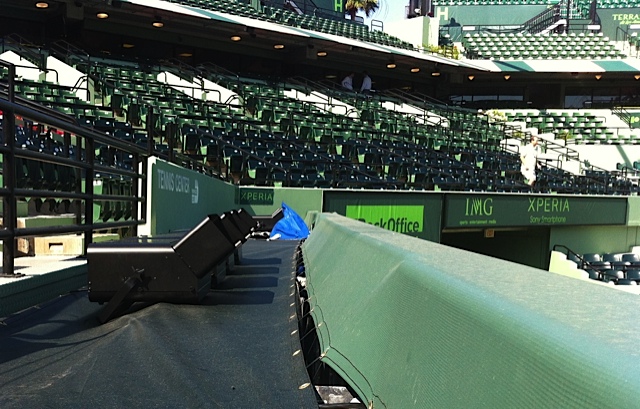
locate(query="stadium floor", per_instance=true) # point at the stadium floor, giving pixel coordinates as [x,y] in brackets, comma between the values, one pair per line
[236,350]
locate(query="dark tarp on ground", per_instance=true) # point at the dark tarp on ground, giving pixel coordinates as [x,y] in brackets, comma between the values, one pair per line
[234,351]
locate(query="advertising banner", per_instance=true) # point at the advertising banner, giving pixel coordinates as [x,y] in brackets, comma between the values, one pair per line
[415,214]
[489,211]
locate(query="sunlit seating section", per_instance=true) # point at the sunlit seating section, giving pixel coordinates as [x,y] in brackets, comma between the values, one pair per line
[493,2]
[576,126]
[618,4]
[343,28]
[523,46]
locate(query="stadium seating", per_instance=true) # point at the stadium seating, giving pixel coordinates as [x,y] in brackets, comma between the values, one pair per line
[340,27]
[492,2]
[617,268]
[523,46]
[265,135]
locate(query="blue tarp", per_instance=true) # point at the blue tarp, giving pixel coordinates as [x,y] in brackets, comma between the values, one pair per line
[290,227]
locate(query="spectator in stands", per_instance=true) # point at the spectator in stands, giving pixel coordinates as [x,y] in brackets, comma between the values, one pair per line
[529,159]
[366,83]
[347,82]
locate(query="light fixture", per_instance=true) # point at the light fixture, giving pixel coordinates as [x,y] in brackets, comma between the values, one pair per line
[637,77]
[102,15]
[435,74]
[507,77]
[471,77]
[185,54]
[391,64]
[157,23]
[128,45]
[278,46]
[415,69]
[321,53]
[598,77]
[236,38]
[330,76]
[42,5]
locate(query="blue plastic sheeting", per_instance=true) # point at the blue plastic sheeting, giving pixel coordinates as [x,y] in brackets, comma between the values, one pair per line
[290,227]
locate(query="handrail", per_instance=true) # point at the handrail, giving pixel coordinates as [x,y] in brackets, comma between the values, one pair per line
[86,141]
[622,113]
[583,263]
[15,41]
[544,19]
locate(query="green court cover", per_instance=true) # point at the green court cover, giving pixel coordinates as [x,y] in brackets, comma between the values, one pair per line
[415,324]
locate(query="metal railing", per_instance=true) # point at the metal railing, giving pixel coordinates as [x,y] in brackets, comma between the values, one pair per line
[75,157]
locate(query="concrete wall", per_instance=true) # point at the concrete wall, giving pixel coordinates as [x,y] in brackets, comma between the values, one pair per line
[419,31]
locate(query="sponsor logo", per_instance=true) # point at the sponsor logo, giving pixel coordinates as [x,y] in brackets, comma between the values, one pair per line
[478,207]
[255,196]
[195,192]
[172,182]
[400,219]
[626,18]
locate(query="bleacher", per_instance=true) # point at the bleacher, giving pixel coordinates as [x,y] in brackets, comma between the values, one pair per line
[266,135]
[493,2]
[290,18]
[519,46]
[297,132]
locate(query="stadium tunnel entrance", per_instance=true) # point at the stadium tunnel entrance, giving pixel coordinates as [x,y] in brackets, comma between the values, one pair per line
[528,246]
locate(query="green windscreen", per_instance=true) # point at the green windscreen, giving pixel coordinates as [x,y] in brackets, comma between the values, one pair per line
[409,323]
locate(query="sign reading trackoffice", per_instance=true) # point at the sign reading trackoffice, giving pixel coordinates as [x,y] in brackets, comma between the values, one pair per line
[488,211]
[398,218]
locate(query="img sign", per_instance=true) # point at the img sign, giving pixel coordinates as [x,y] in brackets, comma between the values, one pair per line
[479,207]
[480,211]
[398,218]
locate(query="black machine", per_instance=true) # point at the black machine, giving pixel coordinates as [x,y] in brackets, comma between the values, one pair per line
[174,267]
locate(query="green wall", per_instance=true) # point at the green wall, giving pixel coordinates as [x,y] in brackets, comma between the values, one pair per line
[601,239]
[596,239]
[484,15]
[611,19]
[180,198]
[633,209]
[174,207]
[263,201]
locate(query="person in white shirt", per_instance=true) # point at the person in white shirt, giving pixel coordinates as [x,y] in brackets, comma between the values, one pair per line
[366,83]
[347,82]
[529,160]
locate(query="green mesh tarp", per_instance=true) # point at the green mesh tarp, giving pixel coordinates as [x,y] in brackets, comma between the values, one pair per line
[411,323]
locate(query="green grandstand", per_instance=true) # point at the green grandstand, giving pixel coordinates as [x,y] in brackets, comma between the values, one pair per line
[434,275]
